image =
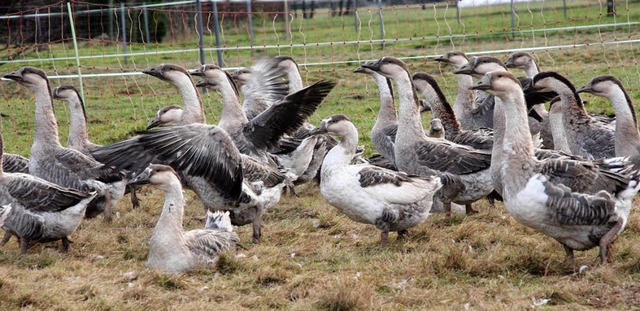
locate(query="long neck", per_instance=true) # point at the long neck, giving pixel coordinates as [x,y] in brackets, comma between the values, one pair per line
[444,112]
[517,137]
[627,138]
[170,220]
[231,110]
[466,98]
[531,70]
[387,114]
[46,127]
[571,108]
[295,80]
[78,132]
[192,111]
[557,128]
[409,121]
[343,153]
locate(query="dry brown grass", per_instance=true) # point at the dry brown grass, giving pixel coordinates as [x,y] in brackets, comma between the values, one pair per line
[313,258]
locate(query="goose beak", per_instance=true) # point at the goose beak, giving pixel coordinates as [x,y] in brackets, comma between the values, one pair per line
[55,93]
[585,89]
[441,58]
[360,70]
[480,85]
[534,114]
[318,130]
[142,178]
[373,64]
[154,123]
[464,70]
[154,72]
[202,83]
[509,63]
[196,73]
[15,76]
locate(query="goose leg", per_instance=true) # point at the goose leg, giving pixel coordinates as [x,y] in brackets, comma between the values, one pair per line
[64,248]
[108,212]
[569,252]
[402,234]
[257,226]
[447,208]
[469,209]
[384,236]
[134,197]
[605,243]
[24,246]
[5,238]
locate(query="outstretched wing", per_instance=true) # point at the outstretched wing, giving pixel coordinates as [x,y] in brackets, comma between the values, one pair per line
[40,195]
[197,150]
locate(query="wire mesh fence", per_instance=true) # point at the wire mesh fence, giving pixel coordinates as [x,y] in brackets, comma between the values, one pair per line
[115,42]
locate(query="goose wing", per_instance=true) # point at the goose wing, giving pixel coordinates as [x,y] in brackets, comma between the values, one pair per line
[478,139]
[196,149]
[209,243]
[586,176]
[72,169]
[40,195]
[256,171]
[286,116]
[268,84]
[452,158]
[395,187]
[599,140]
[14,163]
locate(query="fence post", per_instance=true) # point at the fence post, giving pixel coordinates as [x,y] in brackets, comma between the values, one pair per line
[200,31]
[123,22]
[250,24]
[381,24]
[75,47]
[564,8]
[216,29]
[458,12]
[513,19]
[287,28]
[145,16]
[355,14]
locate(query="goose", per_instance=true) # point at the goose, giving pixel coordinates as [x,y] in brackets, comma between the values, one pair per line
[265,130]
[166,116]
[466,107]
[464,171]
[78,138]
[577,220]
[204,155]
[36,210]
[171,249]
[262,85]
[555,124]
[63,166]
[426,85]
[383,133]
[15,163]
[390,200]
[627,137]
[585,175]
[586,137]
[291,69]
[437,129]
[526,62]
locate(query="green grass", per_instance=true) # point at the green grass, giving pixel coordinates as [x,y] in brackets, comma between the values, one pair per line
[311,256]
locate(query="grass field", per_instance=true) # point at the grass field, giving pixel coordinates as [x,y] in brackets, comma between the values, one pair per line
[311,257]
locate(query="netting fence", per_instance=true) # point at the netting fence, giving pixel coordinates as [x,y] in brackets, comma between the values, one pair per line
[103,48]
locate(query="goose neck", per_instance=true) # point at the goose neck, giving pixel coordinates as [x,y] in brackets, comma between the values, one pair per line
[531,71]
[78,129]
[173,209]
[46,126]
[517,140]
[343,153]
[444,112]
[192,112]
[295,81]
[466,97]
[231,108]
[627,137]
[409,120]
[387,114]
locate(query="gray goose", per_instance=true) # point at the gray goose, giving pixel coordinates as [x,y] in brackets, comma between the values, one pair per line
[63,166]
[526,62]
[166,116]
[426,85]
[586,137]
[204,155]
[464,171]
[39,211]
[383,132]
[554,119]
[171,248]
[390,200]
[467,106]
[577,220]
[627,137]
[78,138]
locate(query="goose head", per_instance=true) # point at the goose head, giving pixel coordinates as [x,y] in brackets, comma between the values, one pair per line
[31,77]
[365,70]
[287,63]
[479,66]
[66,92]
[601,86]
[166,116]
[427,85]
[388,66]
[169,72]
[551,81]
[214,78]
[436,130]
[158,175]
[520,60]
[241,76]
[337,125]
[498,83]
[455,58]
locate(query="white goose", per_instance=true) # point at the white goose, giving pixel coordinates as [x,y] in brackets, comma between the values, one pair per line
[578,221]
[173,250]
[390,200]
